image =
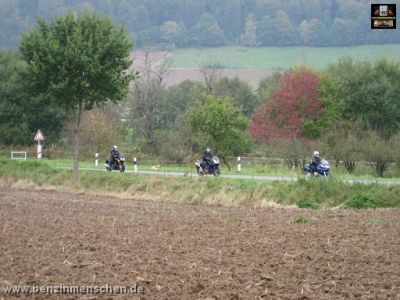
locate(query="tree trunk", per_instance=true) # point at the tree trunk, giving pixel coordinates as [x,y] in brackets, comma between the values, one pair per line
[75,165]
[226,163]
[152,144]
[380,168]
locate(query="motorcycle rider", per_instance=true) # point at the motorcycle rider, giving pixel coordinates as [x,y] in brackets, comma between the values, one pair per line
[207,157]
[114,155]
[316,159]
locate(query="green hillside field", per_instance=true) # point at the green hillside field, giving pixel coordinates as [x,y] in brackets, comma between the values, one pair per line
[279,58]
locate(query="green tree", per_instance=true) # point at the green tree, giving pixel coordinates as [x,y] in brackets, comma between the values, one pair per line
[231,18]
[249,36]
[135,17]
[370,93]
[170,32]
[189,11]
[239,93]
[345,32]
[80,61]
[331,101]
[333,107]
[215,123]
[312,32]
[21,114]
[267,86]
[207,32]
[178,99]
[266,33]
[14,128]
[285,32]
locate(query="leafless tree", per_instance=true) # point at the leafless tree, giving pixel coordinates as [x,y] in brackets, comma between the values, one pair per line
[146,96]
[211,73]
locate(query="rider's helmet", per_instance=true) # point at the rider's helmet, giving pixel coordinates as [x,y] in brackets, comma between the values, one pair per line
[316,154]
[115,147]
[208,151]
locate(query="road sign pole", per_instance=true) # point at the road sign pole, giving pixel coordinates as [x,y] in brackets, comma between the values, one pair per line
[39,150]
[39,137]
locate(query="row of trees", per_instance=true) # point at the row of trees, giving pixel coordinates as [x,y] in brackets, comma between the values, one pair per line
[186,23]
[299,104]
[306,103]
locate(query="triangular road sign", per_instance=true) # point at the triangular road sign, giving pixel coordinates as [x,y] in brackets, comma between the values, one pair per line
[39,136]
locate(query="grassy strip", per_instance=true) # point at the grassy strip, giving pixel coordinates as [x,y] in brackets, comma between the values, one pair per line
[363,171]
[313,194]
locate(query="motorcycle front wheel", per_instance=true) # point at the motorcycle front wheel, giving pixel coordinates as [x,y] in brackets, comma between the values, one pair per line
[217,172]
[122,168]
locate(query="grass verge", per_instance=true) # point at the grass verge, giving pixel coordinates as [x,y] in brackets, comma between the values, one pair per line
[311,194]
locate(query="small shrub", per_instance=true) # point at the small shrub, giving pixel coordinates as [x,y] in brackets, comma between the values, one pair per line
[371,222]
[379,152]
[306,203]
[361,201]
[301,220]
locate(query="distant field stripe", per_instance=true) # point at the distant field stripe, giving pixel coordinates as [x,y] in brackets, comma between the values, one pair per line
[279,58]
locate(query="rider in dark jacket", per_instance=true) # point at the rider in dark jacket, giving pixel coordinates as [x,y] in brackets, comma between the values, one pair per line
[316,159]
[207,156]
[114,155]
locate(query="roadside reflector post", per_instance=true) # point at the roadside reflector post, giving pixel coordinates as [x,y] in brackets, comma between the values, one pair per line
[39,137]
[96,159]
[239,167]
[39,150]
[135,165]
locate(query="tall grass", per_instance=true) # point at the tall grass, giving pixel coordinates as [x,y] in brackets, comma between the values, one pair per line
[314,194]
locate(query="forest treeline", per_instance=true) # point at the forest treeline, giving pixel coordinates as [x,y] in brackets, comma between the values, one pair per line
[209,23]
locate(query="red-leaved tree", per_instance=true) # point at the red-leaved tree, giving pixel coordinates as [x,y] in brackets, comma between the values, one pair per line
[293,102]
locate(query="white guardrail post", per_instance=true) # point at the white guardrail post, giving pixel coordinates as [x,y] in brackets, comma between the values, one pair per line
[135,165]
[239,167]
[96,159]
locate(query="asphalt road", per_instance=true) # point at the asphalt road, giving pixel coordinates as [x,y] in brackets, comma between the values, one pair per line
[243,176]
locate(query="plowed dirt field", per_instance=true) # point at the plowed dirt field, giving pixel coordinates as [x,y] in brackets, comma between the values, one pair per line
[181,251]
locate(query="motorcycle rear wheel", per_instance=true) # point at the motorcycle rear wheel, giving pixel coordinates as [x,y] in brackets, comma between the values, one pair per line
[308,175]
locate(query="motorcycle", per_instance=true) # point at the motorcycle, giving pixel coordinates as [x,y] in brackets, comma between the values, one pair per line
[211,167]
[118,165]
[322,170]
